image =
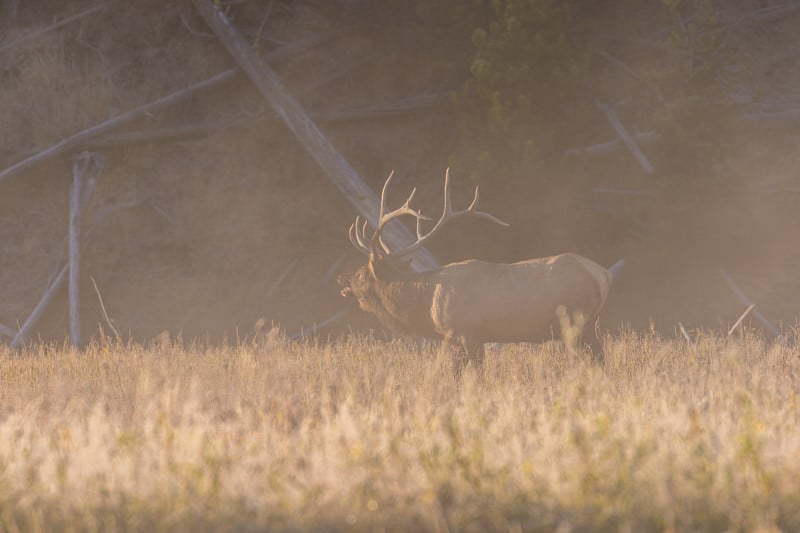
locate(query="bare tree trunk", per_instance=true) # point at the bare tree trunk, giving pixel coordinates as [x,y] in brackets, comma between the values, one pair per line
[52,290]
[79,167]
[292,113]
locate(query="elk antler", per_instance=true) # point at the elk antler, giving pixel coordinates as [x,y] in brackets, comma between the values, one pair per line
[358,230]
[370,246]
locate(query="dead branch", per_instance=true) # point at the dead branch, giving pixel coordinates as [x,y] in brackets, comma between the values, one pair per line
[194,131]
[190,29]
[174,133]
[617,62]
[84,136]
[741,318]
[759,16]
[611,146]
[109,322]
[746,301]
[305,130]
[788,114]
[684,333]
[98,129]
[263,24]
[625,137]
[47,29]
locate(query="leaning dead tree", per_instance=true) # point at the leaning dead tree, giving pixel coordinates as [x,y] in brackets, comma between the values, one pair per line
[339,171]
[79,168]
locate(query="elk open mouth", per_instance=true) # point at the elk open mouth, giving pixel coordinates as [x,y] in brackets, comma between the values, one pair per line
[346,292]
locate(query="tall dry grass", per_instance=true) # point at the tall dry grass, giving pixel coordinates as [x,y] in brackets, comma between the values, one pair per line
[370,435]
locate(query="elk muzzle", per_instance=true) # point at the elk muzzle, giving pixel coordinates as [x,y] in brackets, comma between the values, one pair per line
[344,281]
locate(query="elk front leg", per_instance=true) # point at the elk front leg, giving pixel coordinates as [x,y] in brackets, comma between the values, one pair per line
[475,353]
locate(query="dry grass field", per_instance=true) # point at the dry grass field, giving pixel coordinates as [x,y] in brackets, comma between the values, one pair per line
[369,435]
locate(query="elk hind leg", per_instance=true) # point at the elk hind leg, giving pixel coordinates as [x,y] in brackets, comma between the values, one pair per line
[455,348]
[591,339]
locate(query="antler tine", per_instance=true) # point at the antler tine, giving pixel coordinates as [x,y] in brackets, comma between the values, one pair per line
[404,209]
[362,235]
[351,235]
[447,214]
[375,248]
[355,239]
[474,203]
[483,214]
[382,209]
[448,203]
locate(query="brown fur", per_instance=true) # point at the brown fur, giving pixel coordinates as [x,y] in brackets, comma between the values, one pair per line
[473,302]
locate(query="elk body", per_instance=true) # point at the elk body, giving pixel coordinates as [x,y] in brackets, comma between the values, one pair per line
[472,302]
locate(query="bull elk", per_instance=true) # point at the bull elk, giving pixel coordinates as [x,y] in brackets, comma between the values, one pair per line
[471,302]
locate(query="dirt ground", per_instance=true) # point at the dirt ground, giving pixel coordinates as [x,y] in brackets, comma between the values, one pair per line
[241,224]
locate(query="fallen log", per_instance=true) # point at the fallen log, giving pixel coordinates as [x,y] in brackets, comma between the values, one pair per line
[306,131]
[78,139]
[202,129]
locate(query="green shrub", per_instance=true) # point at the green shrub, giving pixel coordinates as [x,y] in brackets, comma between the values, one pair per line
[521,101]
[695,115]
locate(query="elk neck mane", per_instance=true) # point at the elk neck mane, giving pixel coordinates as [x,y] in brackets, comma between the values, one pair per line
[402,300]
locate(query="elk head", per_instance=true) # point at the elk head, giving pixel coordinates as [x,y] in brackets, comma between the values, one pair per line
[391,265]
